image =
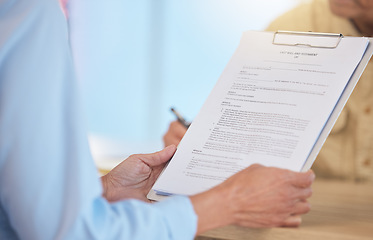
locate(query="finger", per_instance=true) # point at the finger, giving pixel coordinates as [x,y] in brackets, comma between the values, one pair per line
[301,207]
[157,158]
[303,193]
[255,166]
[302,179]
[171,140]
[177,129]
[292,221]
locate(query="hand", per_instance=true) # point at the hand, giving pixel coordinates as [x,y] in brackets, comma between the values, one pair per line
[134,177]
[255,197]
[174,134]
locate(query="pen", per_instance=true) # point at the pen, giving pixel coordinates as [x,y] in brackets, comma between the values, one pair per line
[180,118]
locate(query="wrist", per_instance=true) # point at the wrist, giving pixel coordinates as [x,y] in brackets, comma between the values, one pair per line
[106,193]
[213,209]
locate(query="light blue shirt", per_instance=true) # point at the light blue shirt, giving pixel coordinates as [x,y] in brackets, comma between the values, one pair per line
[49,187]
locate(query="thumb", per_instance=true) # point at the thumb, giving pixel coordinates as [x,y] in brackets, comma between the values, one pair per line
[158,158]
[292,221]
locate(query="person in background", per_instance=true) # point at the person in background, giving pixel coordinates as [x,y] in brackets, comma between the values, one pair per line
[49,187]
[348,151]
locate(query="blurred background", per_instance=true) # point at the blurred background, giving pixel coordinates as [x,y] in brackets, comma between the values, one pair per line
[136,59]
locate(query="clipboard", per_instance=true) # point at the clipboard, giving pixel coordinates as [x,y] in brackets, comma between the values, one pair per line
[333,39]
[314,40]
[340,104]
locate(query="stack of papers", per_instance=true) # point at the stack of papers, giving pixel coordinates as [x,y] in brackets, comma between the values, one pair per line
[274,104]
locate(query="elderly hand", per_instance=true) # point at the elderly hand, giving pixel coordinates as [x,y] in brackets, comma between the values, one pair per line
[174,134]
[134,177]
[255,197]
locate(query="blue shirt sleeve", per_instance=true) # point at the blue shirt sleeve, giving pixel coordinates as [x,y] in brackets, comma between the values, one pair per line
[49,187]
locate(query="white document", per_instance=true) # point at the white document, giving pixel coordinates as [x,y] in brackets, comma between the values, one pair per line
[269,106]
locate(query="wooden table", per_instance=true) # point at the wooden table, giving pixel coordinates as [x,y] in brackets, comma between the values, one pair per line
[340,211]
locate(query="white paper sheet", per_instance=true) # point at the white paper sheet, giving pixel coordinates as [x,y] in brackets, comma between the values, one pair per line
[269,107]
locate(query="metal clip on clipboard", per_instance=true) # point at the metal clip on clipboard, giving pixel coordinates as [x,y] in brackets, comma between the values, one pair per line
[307,39]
